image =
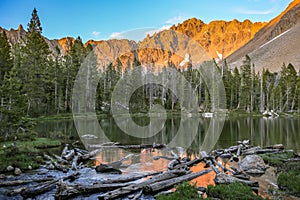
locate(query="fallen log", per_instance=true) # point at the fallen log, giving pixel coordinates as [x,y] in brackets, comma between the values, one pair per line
[188,164]
[135,187]
[262,151]
[208,160]
[23,182]
[56,165]
[124,179]
[69,155]
[221,166]
[30,191]
[66,191]
[173,163]
[65,150]
[90,154]
[74,163]
[250,151]
[235,157]
[60,159]
[275,146]
[167,184]
[163,157]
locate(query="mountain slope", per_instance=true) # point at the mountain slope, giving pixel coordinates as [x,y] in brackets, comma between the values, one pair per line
[274,44]
[219,36]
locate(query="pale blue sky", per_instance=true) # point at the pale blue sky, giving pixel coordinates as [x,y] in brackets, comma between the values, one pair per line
[99,19]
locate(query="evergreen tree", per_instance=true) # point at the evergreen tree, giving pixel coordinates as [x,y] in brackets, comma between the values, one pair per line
[34,67]
[5,56]
[246,84]
[13,104]
[236,89]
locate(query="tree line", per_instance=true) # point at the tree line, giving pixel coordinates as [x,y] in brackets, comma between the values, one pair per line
[35,81]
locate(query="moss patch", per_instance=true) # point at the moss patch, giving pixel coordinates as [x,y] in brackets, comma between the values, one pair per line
[276,159]
[235,191]
[183,191]
[232,191]
[290,182]
[23,154]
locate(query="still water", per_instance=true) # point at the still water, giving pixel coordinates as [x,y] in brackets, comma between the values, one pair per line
[261,131]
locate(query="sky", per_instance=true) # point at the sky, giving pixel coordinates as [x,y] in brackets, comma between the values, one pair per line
[132,19]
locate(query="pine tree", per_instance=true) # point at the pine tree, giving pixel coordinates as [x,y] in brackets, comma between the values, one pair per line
[236,89]
[246,84]
[5,56]
[34,67]
[13,103]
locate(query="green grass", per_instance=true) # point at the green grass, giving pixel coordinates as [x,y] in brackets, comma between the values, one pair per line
[22,154]
[184,191]
[276,159]
[290,182]
[289,172]
[232,191]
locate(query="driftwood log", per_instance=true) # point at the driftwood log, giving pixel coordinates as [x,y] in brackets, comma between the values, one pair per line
[23,182]
[32,191]
[135,187]
[167,184]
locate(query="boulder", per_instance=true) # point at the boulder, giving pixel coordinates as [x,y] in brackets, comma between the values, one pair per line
[10,168]
[253,165]
[18,171]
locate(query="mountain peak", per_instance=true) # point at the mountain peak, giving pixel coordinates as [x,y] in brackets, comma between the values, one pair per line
[281,34]
[20,28]
[219,36]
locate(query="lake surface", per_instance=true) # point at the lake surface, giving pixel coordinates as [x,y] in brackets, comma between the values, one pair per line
[261,131]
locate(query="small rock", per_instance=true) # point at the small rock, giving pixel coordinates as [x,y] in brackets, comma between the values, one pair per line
[253,165]
[10,168]
[50,166]
[29,167]
[18,171]
[2,176]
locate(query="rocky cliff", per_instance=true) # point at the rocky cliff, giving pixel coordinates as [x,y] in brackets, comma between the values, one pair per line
[275,43]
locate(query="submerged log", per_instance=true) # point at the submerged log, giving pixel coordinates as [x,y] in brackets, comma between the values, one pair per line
[163,157]
[117,164]
[141,146]
[103,168]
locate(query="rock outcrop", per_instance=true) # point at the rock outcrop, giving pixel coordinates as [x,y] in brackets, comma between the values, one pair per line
[275,43]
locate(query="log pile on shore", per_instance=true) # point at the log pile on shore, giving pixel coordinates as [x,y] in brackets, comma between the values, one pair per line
[152,183]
